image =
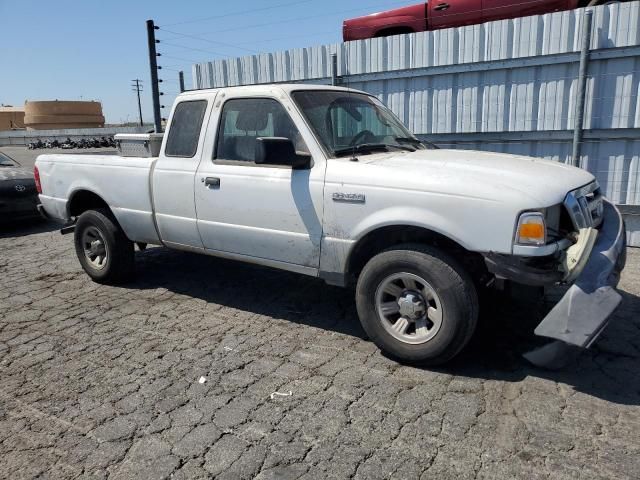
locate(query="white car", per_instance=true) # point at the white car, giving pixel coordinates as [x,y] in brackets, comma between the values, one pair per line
[327,182]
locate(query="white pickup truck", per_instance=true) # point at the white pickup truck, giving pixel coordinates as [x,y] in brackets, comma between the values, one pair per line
[327,182]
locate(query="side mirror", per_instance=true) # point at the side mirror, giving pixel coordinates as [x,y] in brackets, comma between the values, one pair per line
[280,151]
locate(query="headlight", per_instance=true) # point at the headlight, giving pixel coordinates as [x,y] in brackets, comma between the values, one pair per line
[531,229]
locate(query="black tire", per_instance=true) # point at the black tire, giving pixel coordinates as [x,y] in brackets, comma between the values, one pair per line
[118,266]
[454,287]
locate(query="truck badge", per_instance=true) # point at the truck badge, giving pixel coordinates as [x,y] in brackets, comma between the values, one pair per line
[348,197]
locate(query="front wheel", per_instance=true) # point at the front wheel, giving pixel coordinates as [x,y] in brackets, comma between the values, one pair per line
[104,251]
[417,304]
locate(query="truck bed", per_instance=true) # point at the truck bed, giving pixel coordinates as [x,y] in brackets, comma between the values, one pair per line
[122,182]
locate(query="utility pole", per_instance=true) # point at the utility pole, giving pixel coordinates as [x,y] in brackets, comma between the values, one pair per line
[153,66]
[137,87]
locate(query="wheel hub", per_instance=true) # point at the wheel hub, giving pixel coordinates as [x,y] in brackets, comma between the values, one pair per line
[95,248]
[411,305]
[409,308]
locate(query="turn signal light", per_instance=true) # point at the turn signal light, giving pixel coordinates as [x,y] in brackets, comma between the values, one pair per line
[531,229]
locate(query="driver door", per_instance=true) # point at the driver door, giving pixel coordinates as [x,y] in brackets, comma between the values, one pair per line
[271,214]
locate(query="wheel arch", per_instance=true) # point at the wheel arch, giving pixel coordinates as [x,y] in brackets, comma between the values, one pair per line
[384,237]
[137,225]
[82,200]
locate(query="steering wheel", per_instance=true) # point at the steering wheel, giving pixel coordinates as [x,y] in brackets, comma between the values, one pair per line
[361,135]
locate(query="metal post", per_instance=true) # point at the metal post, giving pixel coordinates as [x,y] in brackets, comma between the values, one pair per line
[181,80]
[334,69]
[582,87]
[153,65]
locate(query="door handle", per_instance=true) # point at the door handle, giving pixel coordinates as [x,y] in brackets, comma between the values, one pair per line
[211,182]
[442,6]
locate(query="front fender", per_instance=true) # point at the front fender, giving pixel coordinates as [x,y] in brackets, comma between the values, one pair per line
[339,242]
[411,217]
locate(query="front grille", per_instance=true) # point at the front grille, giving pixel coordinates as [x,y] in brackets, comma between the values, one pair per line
[585,206]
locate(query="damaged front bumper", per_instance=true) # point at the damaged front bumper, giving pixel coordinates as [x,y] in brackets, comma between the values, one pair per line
[584,311]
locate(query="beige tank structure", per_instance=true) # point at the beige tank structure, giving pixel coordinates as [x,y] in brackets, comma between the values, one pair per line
[11,118]
[57,114]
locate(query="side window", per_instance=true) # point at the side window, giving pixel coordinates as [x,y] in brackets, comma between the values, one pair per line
[243,120]
[184,131]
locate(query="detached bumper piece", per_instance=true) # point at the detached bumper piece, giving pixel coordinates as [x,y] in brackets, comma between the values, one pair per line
[584,311]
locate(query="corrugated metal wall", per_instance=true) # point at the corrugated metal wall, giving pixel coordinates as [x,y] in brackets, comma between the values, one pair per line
[506,86]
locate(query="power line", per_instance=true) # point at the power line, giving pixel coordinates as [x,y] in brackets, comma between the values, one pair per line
[187,60]
[232,14]
[184,47]
[275,39]
[215,42]
[277,22]
[220,54]
[172,69]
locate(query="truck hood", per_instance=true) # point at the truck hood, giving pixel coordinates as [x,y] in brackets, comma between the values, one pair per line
[484,175]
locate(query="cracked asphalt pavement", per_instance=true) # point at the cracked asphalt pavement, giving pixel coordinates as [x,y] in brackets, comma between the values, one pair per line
[105,382]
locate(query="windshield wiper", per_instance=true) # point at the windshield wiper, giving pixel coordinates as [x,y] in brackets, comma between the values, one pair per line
[415,141]
[370,147]
[412,141]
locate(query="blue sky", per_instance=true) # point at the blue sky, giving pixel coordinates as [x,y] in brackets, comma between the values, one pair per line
[70,50]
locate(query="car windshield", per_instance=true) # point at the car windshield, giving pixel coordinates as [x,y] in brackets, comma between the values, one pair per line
[6,161]
[348,123]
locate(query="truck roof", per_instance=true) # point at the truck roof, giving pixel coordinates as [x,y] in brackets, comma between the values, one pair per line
[260,89]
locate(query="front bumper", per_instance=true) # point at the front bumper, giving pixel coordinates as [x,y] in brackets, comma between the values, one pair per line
[584,311]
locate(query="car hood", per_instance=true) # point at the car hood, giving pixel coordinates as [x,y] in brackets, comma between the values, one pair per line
[483,175]
[15,173]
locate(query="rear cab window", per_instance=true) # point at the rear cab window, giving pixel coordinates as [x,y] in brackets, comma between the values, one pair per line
[184,131]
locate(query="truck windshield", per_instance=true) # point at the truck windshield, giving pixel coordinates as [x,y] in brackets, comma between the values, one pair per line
[349,123]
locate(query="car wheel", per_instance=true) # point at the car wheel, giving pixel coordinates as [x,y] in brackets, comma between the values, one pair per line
[104,251]
[417,304]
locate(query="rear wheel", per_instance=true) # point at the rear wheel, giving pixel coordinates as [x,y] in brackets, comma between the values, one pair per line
[417,304]
[104,251]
